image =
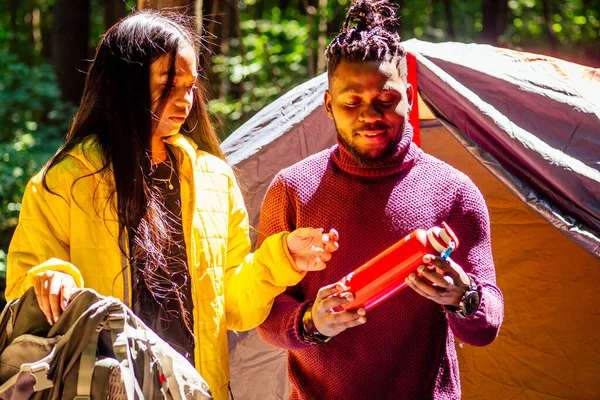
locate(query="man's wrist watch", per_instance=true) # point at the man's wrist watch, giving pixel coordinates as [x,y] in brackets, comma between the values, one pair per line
[469,302]
[310,333]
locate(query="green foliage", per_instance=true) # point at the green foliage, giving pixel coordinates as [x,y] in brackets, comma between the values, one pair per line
[273,61]
[573,26]
[32,122]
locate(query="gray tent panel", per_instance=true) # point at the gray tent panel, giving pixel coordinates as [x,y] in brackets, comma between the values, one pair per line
[285,132]
[540,124]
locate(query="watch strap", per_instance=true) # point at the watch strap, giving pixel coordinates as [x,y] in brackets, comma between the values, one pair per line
[472,293]
[310,333]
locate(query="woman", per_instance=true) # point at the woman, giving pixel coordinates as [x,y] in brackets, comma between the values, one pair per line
[134,209]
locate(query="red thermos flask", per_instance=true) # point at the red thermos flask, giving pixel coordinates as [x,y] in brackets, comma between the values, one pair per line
[384,275]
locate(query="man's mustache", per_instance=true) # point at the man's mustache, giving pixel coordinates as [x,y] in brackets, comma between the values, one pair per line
[372,127]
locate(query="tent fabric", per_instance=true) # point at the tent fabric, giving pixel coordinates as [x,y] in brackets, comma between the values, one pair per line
[548,346]
[528,195]
[283,133]
[538,116]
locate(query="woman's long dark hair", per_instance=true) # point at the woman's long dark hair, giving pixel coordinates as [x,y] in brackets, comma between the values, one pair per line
[116,110]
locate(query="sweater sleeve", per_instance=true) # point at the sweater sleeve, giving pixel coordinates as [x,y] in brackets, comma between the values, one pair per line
[41,239]
[252,280]
[282,328]
[471,218]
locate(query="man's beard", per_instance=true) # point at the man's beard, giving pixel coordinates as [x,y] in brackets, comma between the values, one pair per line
[367,160]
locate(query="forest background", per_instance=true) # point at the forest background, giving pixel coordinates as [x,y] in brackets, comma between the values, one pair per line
[256,51]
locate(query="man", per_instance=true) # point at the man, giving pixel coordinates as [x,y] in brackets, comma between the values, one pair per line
[375,187]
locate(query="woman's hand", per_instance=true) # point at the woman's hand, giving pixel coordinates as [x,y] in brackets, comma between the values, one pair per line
[53,291]
[311,248]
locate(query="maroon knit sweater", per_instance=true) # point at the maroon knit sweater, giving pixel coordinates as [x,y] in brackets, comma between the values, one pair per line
[406,349]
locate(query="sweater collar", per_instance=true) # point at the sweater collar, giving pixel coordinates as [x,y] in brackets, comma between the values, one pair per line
[405,155]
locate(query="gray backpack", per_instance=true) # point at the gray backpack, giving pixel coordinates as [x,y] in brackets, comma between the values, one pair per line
[98,349]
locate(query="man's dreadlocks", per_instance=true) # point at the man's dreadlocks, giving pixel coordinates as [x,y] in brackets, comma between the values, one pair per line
[369,34]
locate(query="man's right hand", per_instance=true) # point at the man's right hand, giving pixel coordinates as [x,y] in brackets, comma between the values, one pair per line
[53,291]
[328,322]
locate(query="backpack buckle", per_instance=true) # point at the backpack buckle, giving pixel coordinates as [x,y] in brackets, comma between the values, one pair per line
[116,320]
[39,372]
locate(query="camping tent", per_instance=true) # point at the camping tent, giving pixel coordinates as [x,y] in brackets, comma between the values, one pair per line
[526,130]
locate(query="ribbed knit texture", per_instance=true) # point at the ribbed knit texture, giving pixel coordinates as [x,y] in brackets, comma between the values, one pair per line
[406,349]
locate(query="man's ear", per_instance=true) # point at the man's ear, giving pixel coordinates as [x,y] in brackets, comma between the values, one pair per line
[409,95]
[327,103]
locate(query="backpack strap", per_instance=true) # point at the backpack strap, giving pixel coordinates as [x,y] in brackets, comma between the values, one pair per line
[8,313]
[120,332]
[87,362]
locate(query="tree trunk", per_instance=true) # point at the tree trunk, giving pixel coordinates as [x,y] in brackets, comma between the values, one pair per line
[20,25]
[199,15]
[552,41]
[36,25]
[213,10]
[449,20]
[310,7]
[225,84]
[114,10]
[336,21]
[231,29]
[212,26]
[46,26]
[185,6]
[70,46]
[322,37]
[490,10]
[504,16]
[30,31]
[13,8]
[283,4]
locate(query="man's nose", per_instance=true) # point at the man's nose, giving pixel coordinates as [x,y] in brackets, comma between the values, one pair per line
[371,113]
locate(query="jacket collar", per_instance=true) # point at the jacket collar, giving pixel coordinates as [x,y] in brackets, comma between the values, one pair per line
[88,153]
[186,156]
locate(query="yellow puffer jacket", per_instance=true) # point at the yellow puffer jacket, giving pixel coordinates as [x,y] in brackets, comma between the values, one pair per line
[76,231]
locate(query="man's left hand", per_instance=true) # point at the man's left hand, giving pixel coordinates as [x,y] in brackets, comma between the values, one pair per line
[440,280]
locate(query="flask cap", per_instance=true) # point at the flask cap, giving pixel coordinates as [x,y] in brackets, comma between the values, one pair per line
[440,238]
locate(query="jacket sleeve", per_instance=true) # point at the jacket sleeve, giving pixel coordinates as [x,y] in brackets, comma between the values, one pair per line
[282,328]
[474,255]
[252,280]
[41,239]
